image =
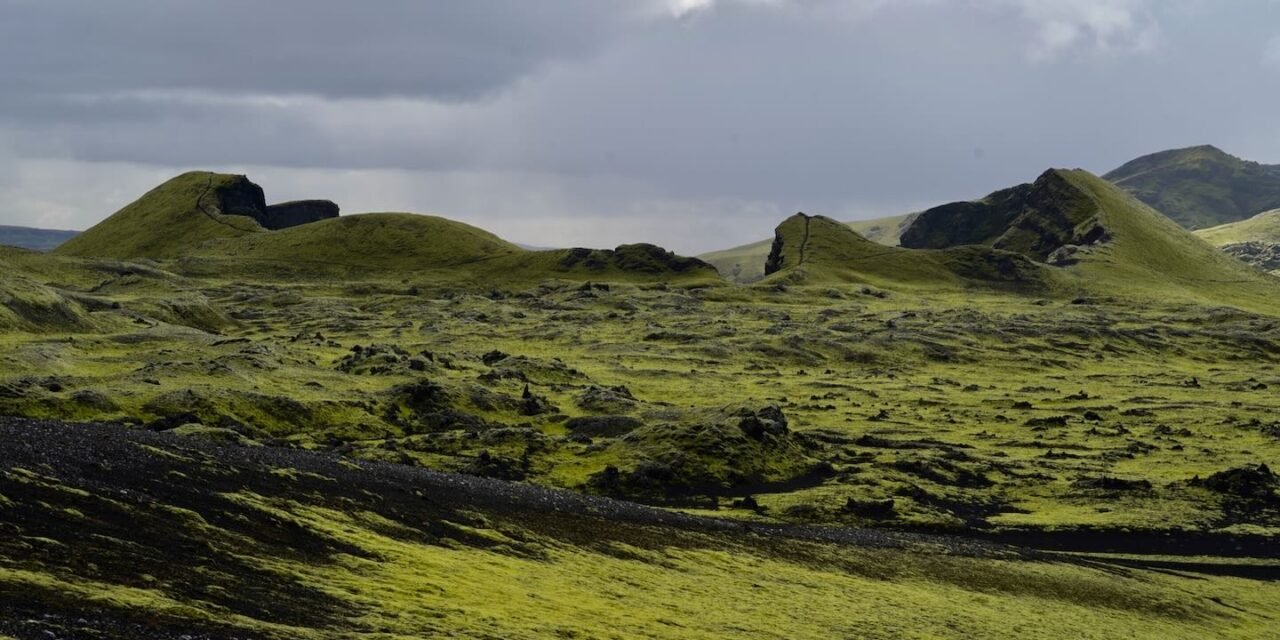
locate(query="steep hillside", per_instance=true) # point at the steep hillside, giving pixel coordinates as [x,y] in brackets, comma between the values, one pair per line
[746,263]
[1201,186]
[1035,220]
[34,239]
[173,219]
[814,250]
[1075,220]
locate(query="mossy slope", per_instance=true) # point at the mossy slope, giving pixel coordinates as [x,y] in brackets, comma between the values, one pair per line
[170,220]
[1105,238]
[373,241]
[115,533]
[1255,241]
[1202,186]
[1264,227]
[395,244]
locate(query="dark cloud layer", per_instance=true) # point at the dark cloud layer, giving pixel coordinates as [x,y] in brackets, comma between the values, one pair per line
[445,50]
[600,121]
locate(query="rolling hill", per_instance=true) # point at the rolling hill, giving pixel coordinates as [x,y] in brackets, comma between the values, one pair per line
[394,244]
[219,224]
[1200,187]
[372,241]
[34,239]
[746,263]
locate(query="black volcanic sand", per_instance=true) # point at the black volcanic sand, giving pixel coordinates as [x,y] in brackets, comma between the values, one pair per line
[121,506]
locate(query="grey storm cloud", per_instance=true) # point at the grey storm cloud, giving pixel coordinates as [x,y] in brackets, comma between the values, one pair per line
[448,50]
[663,119]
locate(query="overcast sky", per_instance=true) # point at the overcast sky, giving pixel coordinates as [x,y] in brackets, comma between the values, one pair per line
[694,124]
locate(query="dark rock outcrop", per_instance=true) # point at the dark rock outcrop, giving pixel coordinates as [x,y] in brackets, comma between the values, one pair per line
[1263,255]
[241,197]
[297,212]
[634,258]
[1049,220]
[603,426]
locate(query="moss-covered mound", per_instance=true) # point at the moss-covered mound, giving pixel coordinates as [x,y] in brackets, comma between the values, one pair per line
[745,264]
[815,249]
[1200,187]
[26,305]
[381,242]
[730,450]
[174,218]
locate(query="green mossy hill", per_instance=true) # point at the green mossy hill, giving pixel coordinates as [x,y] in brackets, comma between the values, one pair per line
[816,250]
[1144,246]
[1255,241]
[1098,232]
[1034,219]
[1264,227]
[1202,186]
[381,244]
[362,243]
[34,239]
[745,264]
[173,219]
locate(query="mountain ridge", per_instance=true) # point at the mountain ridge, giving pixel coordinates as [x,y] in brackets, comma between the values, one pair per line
[1200,186]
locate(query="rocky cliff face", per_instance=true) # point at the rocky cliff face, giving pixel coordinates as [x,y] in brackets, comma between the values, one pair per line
[297,212]
[241,197]
[1048,221]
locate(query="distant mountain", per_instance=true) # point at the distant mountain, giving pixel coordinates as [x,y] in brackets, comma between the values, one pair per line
[34,239]
[746,263]
[1200,187]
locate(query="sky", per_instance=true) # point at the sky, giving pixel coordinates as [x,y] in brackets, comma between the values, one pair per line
[692,124]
